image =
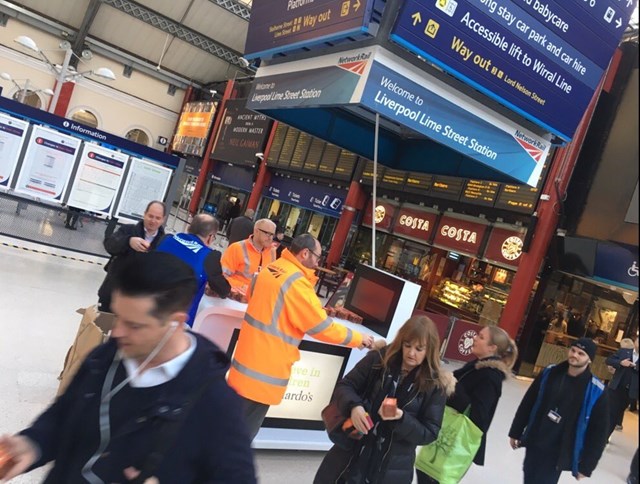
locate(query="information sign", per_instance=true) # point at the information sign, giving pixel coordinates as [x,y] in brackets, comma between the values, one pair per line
[145,182]
[12,135]
[480,192]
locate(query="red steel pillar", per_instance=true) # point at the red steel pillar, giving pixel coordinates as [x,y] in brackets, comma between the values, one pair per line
[64,99]
[206,158]
[356,199]
[555,188]
[263,177]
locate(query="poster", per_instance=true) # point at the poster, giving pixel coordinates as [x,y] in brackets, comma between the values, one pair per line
[98,180]
[47,164]
[146,181]
[12,136]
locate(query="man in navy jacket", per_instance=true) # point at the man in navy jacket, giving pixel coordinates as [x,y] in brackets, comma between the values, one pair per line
[151,402]
[623,387]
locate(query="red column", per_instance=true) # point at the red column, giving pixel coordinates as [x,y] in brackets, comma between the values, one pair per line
[206,158]
[64,99]
[264,175]
[356,199]
[558,178]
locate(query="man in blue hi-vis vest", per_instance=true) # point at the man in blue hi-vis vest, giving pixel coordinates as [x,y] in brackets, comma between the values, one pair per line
[563,419]
[193,248]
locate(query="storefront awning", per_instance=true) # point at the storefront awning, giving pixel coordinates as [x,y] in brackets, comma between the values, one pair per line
[425,125]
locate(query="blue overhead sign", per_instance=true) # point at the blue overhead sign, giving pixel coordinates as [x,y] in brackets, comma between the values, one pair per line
[322,199]
[281,25]
[541,58]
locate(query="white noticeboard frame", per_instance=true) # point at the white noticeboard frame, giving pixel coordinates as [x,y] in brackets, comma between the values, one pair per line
[98,180]
[47,164]
[13,133]
[145,182]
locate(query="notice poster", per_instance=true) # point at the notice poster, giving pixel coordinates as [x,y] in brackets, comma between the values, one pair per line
[311,384]
[47,164]
[12,135]
[98,179]
[146,181]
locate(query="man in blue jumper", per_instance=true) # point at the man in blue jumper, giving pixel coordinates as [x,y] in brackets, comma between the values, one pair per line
[193,248]
[563,419]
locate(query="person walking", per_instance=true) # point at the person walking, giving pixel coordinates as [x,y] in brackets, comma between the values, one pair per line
[408,370]
[623,386]
[282,308]
[563,419]
[479,384]
[126,241]
[241,227]
[193,248]
[151,404]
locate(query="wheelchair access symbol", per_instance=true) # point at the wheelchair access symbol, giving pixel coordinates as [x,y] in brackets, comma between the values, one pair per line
[633,270]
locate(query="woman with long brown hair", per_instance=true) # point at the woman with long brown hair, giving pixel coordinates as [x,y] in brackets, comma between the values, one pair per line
[408,370]
[479,383]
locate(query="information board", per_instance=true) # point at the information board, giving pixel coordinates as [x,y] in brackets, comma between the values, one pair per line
[393,179]
[542,58]
[329,160]
[47,164]
[99,177]
[300,151]
[346,164]
[280,25]
[12,135]
[145,182]
[288,146]
[518,198]
[314,155]
[447,187]
[418,182]
[480,192]
[367,173]
[277,143]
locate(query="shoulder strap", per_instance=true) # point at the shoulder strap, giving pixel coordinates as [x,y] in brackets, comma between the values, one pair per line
[168,433]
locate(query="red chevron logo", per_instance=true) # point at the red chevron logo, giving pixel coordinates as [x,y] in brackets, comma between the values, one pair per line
[533,151]
[357,67]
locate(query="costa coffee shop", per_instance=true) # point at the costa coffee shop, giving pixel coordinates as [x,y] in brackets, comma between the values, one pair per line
[464,264]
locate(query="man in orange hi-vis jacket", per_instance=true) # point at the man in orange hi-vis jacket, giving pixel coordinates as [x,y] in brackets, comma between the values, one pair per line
[284,309]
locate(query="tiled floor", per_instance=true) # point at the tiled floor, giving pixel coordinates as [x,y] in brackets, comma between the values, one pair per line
[39,294]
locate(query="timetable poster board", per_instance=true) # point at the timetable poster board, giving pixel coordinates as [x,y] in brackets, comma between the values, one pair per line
[98,180]
[146,181]
[47,164]
[12,135]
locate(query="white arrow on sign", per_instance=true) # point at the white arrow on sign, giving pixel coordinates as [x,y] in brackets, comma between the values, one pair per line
[417,18]
[629,2]
[356,5]
[618,23]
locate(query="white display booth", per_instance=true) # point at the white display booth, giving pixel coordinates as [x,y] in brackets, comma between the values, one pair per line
[385,302]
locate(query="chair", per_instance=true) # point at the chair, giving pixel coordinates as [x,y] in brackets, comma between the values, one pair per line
[330,283]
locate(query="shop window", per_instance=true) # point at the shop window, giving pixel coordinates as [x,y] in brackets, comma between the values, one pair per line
[138,136]
[84,116]
[31,98]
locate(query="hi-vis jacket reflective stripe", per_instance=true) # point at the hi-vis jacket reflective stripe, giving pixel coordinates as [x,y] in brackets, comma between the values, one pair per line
[283,307]
[242,260]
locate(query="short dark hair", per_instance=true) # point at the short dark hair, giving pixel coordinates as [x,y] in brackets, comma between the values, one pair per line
[301,242]
[169,280]
[152,202]
[203,225]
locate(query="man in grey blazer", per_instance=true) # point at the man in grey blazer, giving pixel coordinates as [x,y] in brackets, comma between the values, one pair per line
[623,387]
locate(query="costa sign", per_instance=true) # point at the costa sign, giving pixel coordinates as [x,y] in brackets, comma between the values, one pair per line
[505,246]
[415,223]
[384,213]
[460,235]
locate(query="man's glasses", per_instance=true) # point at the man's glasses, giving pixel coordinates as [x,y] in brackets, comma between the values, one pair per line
[319,256]
[270,234]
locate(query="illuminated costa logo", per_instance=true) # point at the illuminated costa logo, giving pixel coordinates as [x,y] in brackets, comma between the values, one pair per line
[465,343]
[414,222]
[511,248]
[380,213]
[459,234]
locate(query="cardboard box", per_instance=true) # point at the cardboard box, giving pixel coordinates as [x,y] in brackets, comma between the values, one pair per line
[94,330]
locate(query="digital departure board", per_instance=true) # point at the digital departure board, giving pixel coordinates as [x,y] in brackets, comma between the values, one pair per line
[300,151]
[276,145]
[418,182]
[517,198]
[393,179]
[346,164]
[329,160]
[288,147]
[313,155]
[447,187]
[480,192]
[367,173]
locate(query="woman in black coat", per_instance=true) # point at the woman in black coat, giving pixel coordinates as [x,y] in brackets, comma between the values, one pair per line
[479,383]
[409,370]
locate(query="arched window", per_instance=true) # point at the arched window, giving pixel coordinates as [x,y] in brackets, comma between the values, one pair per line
[85,116]
[138,136]
[31,98]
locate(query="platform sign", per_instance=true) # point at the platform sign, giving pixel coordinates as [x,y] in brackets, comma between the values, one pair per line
[280,25]
[541,58]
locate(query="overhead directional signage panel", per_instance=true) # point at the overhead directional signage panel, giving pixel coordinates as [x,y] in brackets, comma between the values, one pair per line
[280,25]
[505,53]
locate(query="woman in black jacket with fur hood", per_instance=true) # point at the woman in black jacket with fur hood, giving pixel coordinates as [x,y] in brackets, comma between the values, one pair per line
[409,370]
[479,383]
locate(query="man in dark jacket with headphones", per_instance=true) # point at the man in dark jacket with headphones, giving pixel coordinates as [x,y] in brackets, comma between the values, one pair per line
[151,402]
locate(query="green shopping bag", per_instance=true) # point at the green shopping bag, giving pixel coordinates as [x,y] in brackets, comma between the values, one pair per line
[450,456]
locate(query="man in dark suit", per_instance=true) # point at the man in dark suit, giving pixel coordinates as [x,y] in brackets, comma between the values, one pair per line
[623,387]
[240,228]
